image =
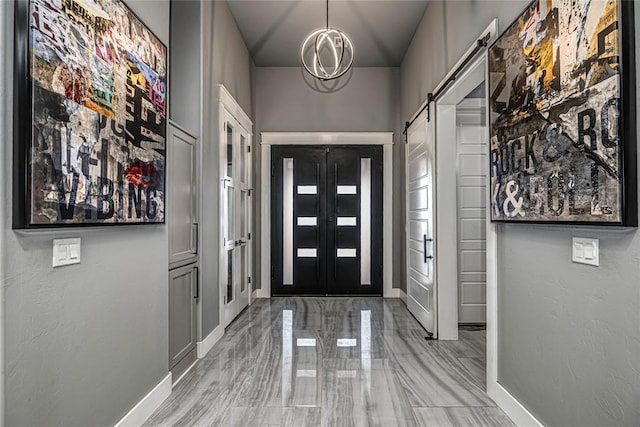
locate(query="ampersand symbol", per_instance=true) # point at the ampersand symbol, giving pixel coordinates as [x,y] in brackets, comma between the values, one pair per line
[511,200]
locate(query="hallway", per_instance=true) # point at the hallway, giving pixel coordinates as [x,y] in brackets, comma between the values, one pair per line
[334,362]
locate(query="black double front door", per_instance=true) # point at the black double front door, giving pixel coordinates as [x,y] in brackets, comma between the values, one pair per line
[326,226]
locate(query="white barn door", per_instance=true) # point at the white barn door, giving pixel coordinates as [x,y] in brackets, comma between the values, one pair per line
[421,289]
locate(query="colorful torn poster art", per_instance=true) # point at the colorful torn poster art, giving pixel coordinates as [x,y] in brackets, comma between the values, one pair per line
[99,115]
[555,113]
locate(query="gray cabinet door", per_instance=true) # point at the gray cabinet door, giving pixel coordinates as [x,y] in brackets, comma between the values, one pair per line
[182,198]
[183,294]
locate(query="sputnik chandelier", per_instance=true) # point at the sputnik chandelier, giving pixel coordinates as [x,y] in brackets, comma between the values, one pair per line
[327,53]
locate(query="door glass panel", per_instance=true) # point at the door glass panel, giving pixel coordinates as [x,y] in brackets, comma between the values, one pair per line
[287,209]
[229,150]
[365,221]
[241,158]
[230,214]
[229,276]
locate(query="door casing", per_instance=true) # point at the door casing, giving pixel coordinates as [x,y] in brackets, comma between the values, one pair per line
[229,111]
[469,78]
[269,139]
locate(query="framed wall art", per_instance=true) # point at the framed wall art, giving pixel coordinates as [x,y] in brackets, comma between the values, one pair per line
[90,120]
[562,115]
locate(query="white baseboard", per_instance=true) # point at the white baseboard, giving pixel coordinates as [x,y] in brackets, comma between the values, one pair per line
[403,296]
[147,405]
[391,293]
[184,373]
[514,409]
[207,344]
[263,293]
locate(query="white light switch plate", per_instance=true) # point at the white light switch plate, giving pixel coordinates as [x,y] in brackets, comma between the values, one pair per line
[66,251]
[586,251]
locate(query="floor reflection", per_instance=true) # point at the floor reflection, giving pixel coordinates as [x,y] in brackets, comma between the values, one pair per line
[333,362]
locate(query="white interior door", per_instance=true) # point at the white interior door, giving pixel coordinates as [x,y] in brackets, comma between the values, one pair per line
[421,286]
[472,173]
[235,209]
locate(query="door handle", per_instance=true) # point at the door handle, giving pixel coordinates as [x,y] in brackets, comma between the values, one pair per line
[196,294]
[196,227]
[241,242]
[425,240]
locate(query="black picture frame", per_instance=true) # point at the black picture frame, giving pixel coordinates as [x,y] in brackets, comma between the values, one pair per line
[90,116]
[552,83]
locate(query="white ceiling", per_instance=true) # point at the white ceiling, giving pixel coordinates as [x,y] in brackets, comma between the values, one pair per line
[381,30]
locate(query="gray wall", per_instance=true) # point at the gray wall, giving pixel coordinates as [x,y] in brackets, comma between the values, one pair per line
[185,86]
[569,333]
[83,343]
[367,101]
[226,61]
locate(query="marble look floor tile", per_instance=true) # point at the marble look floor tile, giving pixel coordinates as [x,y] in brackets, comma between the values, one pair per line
[286,375]
[476,367]
[364,393]
[279,363]
[431,380]
[462,417]
[203,395]
[350,345]
[281,417]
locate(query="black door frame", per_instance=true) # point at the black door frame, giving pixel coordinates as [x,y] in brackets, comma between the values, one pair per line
[331,278]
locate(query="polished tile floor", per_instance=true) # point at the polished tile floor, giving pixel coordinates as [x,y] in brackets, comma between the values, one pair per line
[333,362]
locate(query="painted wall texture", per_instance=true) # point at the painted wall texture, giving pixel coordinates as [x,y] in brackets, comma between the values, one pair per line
[186,68]
[366,101]
[83,343]
[569,333]
[225,60]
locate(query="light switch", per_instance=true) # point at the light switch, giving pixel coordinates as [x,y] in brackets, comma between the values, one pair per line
[66,251]
[74,251]
[586,251]
[578,250]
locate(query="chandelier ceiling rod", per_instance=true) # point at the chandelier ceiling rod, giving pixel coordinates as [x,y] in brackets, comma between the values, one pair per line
[327,14]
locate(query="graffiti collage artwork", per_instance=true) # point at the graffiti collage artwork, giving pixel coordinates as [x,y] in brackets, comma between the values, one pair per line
[98,113]
[556,114]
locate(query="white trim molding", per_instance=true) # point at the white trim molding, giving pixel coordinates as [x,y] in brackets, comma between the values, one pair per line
[403,296]
[264,293]
[393,293]
[514,409]
[147,405]
[468,79]
[327,138]
[232,106]
[207,344]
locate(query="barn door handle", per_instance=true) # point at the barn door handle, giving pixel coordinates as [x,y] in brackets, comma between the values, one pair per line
[425,240]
